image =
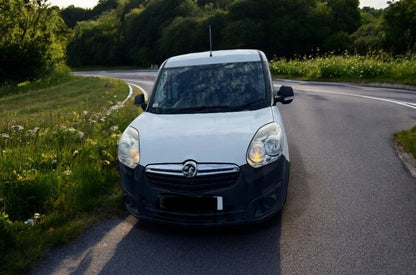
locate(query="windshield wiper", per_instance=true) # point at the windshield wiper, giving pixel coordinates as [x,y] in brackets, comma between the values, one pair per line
[248,105]
[200,109]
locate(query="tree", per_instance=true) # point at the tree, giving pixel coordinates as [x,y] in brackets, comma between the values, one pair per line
[72,15]
[400,27]
[369,37]
[33,40]
[346,15]
[95,42]
[149,31]
[142,29]
[216,4]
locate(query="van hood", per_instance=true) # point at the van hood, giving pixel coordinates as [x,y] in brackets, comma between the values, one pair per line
[209,138]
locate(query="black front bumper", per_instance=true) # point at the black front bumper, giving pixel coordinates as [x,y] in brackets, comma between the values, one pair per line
[250,196]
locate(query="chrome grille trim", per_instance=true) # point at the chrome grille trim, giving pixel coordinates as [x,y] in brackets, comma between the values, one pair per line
[204,169]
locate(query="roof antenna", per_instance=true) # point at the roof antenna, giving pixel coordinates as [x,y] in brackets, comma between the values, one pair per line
[210,41]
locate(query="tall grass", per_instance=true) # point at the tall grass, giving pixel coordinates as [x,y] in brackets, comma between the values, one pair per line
[58,163]
[407,138]
[374,67]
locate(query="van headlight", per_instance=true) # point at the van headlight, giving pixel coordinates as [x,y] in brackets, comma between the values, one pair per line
[128,148]
[266,146]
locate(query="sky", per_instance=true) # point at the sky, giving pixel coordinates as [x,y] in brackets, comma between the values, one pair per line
[77,3]
[378,4]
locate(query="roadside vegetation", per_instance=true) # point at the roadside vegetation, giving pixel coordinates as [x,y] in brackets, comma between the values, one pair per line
[375,67]
[59,133]
[407,138]
[58,164]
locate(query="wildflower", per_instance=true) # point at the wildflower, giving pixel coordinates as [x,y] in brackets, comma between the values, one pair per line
[67,172]
[36,218]
[80,134]
[85,113]
[113,128]
[75,153]
[18,128]
[5,135]
[92,142]
[34,131]
[30,222]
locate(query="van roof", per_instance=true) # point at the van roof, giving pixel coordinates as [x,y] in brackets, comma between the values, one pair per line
[218,57]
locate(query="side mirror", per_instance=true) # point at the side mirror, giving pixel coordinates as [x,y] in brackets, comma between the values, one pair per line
[139,101]
[284,95]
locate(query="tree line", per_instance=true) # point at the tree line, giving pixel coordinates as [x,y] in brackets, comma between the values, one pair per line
[144,32]
[139,32]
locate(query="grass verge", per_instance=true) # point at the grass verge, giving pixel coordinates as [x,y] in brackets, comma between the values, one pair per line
[58,163]
[407,138]
[379,67]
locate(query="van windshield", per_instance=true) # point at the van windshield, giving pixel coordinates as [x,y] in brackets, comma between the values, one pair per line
[210,88]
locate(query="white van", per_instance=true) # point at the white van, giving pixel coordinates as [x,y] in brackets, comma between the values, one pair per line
[210,147]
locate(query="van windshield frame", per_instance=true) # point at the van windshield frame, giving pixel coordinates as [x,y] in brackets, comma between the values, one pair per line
[211,88]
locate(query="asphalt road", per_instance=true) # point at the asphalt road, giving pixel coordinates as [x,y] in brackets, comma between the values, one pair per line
[351,205]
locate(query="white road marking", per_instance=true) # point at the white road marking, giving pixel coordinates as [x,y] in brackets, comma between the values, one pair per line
[140,88]
[402,103]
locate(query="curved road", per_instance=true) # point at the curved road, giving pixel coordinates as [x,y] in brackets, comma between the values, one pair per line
[351,205]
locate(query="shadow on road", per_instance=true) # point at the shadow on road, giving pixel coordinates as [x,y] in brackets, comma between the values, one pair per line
[160,249]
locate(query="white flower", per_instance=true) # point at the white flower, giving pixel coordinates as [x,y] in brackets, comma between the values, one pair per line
[5,135]
[67,172]
[18,128]
[34,131]
[113,128]
[30,222]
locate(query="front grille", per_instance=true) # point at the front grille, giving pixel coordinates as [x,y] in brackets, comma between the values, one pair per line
[209,176]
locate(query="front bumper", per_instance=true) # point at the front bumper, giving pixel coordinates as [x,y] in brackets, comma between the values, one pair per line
[252,195]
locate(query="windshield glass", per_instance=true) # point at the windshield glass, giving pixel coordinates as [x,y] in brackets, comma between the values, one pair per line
[210,88]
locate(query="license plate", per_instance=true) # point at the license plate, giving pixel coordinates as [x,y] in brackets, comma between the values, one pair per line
[191,204]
